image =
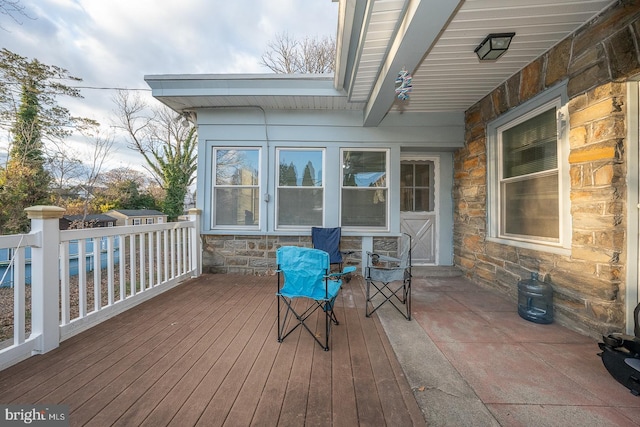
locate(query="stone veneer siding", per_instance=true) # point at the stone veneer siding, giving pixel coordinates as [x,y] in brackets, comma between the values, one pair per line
[589,286]
[256,255]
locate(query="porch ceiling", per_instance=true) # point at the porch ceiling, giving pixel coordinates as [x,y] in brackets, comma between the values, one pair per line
[435,41]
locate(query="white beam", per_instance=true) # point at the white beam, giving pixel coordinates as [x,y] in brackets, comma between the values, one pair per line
[423,22]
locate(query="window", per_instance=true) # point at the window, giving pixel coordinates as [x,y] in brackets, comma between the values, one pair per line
[364,191]
[300,191]
[149,220]
[416,186]
[529,178]
[236,187]
[136,221]
[528,200]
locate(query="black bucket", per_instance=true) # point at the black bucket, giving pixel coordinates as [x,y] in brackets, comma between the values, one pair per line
[535,300]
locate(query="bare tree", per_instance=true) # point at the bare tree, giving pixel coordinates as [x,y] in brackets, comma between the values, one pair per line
[167,145]
[12,9]
[98,153]
[286,55]
[67,171]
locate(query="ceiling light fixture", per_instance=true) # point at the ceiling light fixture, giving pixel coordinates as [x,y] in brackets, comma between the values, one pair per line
[494,46]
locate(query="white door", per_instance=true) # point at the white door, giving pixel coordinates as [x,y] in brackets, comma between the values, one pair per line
[418,208]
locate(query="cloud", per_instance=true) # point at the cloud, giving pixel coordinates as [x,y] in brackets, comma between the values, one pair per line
[114,43]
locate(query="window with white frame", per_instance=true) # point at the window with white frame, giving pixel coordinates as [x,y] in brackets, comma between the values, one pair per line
[300,187]
[529,186]
[137,221]
[149,221]
[236,187]
[364,188]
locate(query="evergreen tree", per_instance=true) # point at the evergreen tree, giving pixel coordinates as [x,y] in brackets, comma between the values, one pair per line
[24,181]
[307,178]
[177,166]
[30,113]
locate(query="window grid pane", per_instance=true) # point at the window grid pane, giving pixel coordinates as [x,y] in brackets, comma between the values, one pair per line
[531,146]
[236,187]
[364,188]
[237,206]
[416,194]
[300,195]
[237,167]
[532,209]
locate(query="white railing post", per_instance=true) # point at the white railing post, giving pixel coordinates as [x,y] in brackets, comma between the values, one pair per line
[195,248]
[45,316]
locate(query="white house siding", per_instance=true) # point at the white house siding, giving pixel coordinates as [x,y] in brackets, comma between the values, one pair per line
[436,134]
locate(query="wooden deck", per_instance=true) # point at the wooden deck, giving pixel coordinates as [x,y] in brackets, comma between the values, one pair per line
[206,353]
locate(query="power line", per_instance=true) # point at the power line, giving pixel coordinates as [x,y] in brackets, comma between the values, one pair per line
[92,87]
[109,88]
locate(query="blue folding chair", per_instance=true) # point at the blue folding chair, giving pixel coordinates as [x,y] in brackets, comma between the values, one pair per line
[306,284]
[328,240]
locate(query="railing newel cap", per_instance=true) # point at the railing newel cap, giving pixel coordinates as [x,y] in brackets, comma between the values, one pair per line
[45,212]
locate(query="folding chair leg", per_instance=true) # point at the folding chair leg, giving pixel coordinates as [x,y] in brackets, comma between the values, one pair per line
[394,296]
[327,311]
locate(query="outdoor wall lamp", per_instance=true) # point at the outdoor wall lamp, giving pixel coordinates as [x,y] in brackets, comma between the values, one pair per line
[494,46]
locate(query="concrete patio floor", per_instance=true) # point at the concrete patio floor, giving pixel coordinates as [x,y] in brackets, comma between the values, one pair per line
[473,361]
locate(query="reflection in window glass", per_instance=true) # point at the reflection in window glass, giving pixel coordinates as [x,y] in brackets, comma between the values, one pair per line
[237,167]
[529,186]
[364,188]
[533,207]
[300,187]
[236,187]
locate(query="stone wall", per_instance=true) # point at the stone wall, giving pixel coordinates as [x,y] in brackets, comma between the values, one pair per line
[589,284]
[256,255]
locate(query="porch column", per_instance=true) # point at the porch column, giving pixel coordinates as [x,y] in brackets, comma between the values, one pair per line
[45,318]
[196,247]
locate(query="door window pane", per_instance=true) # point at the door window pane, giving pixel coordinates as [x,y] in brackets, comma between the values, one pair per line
[416,191]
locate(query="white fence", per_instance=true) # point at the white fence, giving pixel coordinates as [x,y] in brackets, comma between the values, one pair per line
[108,271]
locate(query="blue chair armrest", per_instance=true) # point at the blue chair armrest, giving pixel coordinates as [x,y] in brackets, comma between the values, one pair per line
[345,271]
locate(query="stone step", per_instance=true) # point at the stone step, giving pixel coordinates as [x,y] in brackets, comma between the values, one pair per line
[435,271]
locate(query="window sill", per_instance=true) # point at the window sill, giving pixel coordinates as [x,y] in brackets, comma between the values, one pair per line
[554,249]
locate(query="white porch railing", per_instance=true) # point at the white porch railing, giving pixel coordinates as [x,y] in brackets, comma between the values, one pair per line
[79,278]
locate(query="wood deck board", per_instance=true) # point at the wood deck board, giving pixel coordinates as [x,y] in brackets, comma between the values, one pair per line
[211,385]
[152,389]
[203,358]
[105,337]
[387,372]
[319,400]
[367,397]
[206,353]
[123,391]
[343,390]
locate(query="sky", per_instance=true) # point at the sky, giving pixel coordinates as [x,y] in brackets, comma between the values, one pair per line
[115,43]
